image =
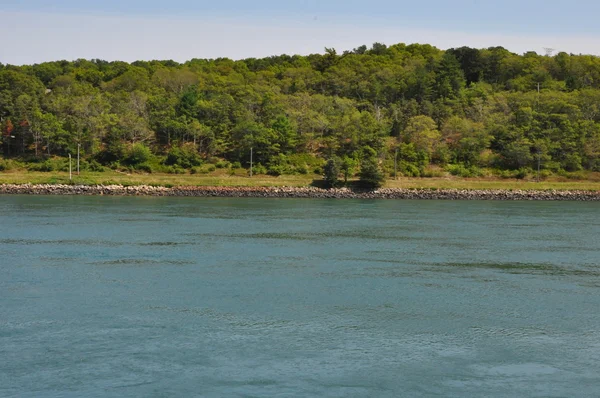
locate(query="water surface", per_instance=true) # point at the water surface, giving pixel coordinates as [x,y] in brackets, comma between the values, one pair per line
[142,297]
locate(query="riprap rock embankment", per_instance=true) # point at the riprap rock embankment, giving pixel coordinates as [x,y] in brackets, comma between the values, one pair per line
[298,192]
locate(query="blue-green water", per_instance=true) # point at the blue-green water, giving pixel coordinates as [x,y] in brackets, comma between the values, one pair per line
[142,297]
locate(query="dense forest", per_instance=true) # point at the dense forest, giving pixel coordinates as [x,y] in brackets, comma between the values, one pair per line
[465,111]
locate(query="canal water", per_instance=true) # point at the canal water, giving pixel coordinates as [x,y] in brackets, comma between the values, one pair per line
[162,297]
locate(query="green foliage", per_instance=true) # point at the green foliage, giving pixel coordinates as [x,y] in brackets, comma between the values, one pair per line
[331,172]
[175,169]
[291,164]
[49,165]
[348,167]
[184,156]
[408,169]
[461,171]
[517,174]
[138,154]
[466,107]
[371,176]
[258,169]
[205,169]
[95,166]
[10,164]
[144,167]
[223,165]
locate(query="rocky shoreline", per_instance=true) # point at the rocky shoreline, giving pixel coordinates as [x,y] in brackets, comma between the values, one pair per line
[298,192]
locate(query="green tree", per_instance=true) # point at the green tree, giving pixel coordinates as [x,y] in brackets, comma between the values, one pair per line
[347,167]
[331,172]
[371,176]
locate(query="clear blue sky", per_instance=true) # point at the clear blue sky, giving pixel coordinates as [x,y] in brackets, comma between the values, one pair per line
[57,26]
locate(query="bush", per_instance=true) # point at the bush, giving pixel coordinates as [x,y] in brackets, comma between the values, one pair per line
[223,165]
[292,164]
[460,170]
[52,164]
[203,169]
[95,166]
[145,167]
[10,164]
[522,173]
[139,153]
[577,175]
[276,170]
[236,165]
[184,156]
[302,169]
[409,169]
[432,173]
[175,170]
[518,174]
[258,169]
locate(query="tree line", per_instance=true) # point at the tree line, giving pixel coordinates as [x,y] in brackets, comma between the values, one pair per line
[413,106]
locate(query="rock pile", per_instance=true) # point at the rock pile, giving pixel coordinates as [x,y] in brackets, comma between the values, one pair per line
[298,192]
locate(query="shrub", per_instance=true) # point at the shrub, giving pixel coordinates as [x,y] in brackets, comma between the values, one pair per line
[95,166]
[292,164]
[276,170]
[145,167]
[139,153]
[175,170]
[432,173]
[184,156]
[52,164]
[258,169]
[223,165]
[460,170]
[409,169]
[203,169]
[302,169]
[522,173]
[5,165]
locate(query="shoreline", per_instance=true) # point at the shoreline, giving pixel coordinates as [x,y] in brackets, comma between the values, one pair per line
[299,192]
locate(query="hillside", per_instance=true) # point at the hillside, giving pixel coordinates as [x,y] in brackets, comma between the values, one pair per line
[465,111]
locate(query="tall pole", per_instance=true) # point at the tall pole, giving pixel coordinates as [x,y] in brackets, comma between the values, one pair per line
[70,171]
[539,162]
[78,145]
[251,150]
[396,164]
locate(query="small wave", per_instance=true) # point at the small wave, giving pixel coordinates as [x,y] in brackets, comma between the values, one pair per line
[141,261]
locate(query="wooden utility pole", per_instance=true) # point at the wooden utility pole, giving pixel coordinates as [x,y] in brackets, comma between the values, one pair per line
[396,164]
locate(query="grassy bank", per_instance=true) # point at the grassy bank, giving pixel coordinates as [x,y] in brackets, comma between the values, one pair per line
[222,178]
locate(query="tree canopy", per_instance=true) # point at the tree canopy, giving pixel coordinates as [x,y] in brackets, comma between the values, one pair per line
[463,106]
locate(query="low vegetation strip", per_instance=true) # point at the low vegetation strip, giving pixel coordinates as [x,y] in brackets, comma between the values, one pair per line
[299,192]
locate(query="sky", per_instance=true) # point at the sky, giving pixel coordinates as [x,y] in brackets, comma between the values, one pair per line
[33,31]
